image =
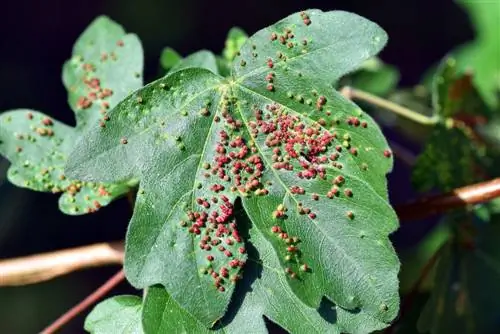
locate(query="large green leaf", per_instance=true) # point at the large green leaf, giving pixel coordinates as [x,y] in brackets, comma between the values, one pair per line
[309,166]
[121,314]
[264,290]
[466,282]
[106,65]
[452,154]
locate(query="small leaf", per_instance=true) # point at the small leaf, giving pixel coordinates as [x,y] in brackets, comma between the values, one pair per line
[482,55]
[454,93]
[121,314]
[199,59]
[37,145]
[234,41]
[308,165]
[169,58]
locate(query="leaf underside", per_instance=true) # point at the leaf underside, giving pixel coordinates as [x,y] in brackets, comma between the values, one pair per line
[106,65]
[308,165]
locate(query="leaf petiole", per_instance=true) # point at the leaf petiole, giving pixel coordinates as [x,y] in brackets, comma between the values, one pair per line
[353,93]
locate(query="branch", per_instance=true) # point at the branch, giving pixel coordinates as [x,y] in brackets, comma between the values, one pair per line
[42,267]
[356,94]
[460,197]
[84,304]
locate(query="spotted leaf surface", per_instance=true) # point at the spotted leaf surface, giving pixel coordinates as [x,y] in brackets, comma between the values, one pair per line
[452,155]
[37,147]
[264,291]
[120,314]
[308,165]
[106,65]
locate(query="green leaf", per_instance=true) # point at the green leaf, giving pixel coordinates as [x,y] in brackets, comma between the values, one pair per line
[264,290]
[452,154]
[169,58]
[482,55]
[454,93]
[200,59]
[304,160]
[163,315]
[234,41]
[121,314]
[448,161]
[37,146]
[466,279]
[106,66]
[374,76]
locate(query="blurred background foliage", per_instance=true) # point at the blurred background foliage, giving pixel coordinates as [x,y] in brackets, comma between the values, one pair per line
[37,37]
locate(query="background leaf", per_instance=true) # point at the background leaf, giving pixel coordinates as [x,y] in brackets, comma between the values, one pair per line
[273,131]
[453,154]
[120,314]
[169,58]
[234,41]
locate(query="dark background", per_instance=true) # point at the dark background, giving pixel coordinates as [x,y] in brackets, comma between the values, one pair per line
[36,37]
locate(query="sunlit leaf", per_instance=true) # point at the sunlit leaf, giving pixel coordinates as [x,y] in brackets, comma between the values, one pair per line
[106,65]
[308,165]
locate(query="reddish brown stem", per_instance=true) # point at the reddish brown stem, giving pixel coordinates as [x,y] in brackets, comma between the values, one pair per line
[461,197]
[87,302]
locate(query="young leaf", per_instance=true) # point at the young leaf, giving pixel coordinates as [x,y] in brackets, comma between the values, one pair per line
[309,166]
[169,58]
[199,59]
[482,55]
[37,145]
[452,154]
[234,41]
[121,314]
[466,279]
